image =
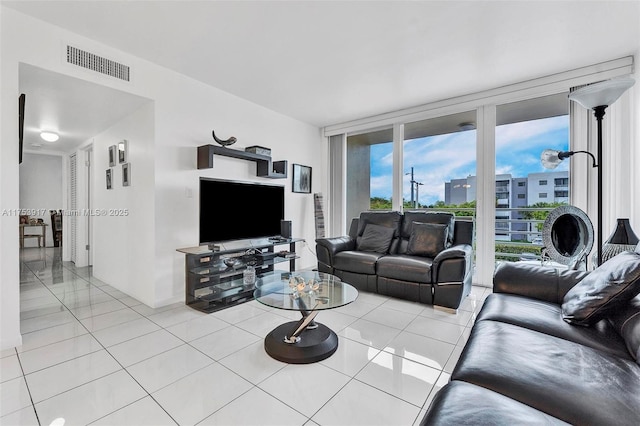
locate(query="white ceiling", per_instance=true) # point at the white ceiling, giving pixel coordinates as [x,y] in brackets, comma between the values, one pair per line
[326,62]
[74,109]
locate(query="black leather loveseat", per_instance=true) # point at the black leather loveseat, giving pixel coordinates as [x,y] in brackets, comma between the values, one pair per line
[420,256]
[527,361]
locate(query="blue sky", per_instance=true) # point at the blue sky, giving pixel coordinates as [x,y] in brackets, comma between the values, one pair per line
[438,159]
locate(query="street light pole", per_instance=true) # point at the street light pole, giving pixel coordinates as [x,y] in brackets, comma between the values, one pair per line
[412,182]
[417,197]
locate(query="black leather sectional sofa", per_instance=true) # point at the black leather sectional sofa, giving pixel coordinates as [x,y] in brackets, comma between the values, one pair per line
[524,363]
[420,256]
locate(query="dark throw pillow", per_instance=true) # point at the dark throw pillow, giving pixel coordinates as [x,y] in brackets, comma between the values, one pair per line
[604,290]
[376,238]
[427,239]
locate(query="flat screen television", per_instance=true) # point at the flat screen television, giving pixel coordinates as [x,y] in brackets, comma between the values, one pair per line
[231,210]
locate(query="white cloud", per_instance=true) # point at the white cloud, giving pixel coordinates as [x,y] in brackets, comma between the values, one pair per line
[511,136]
[505,170]
[439,159]
[381,184]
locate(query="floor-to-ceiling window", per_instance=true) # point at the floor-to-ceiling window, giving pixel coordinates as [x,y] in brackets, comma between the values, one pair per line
[369,172]
[439,158]
[525,191]
[510,120]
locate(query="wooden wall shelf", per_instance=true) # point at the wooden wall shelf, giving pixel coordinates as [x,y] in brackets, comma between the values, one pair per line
[265,167]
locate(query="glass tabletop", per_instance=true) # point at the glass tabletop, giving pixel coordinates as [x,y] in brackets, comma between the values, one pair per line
[303,291]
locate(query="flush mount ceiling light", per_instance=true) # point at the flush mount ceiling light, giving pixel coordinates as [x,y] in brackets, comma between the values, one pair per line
[49,136]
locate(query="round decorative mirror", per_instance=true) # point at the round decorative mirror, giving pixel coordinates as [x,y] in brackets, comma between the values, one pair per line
[567,235]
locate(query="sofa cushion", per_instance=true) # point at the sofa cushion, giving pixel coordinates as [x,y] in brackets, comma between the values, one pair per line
[362,262]
[575,383]
[427,239]
[382,218]
[376,238]
[546,318]
[405,268]
[388,219]
[626,321]
[442,218]
[607,288]
[461,403]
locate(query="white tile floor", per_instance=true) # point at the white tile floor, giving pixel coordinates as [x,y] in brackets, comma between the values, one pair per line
[93,355]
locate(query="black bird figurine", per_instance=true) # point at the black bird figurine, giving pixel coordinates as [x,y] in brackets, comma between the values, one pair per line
[227,142]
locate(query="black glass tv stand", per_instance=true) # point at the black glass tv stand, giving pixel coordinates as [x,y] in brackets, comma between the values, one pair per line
[211,284]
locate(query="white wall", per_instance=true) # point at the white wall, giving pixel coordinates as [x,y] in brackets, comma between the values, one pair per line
[124,239]
[196,109]
[9,198]
[634,151]
[185,112]
[41,190]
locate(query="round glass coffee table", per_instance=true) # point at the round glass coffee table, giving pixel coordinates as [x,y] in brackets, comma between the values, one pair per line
[304,341]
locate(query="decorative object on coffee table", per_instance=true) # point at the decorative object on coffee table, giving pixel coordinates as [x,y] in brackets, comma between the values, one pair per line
[622,239]
[223,142]
[301,179]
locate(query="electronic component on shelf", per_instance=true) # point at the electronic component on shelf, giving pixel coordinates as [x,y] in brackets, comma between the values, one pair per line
[286,254]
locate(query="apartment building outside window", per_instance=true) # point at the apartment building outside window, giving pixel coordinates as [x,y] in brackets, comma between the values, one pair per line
[524,129]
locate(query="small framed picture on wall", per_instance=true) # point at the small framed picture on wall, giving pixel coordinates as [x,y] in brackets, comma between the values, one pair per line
[113,152]
[301,179]
[109,179]
[126,174]
[123,154]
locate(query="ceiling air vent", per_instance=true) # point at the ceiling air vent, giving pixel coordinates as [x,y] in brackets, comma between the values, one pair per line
[97,63]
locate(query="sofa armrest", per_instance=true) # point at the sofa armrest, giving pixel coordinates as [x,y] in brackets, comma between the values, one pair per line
[452,264]
[535,281]
[327,248]
[460,251]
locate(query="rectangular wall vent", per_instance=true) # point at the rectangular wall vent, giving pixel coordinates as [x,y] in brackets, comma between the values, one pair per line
[97,63]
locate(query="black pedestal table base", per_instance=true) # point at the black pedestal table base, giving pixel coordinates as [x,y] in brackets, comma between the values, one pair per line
[308,292]
[314,345]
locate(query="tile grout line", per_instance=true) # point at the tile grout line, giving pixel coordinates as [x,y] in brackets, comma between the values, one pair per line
[129,374]
[107,351]
[351,377]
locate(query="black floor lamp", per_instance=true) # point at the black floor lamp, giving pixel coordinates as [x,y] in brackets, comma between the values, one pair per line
[597,96]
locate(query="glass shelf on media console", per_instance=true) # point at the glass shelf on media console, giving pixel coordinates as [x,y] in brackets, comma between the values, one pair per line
[235,246]
[223,271]
[220,290]
[210,284]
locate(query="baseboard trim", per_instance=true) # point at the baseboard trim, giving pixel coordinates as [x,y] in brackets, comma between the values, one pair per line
[445,309]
